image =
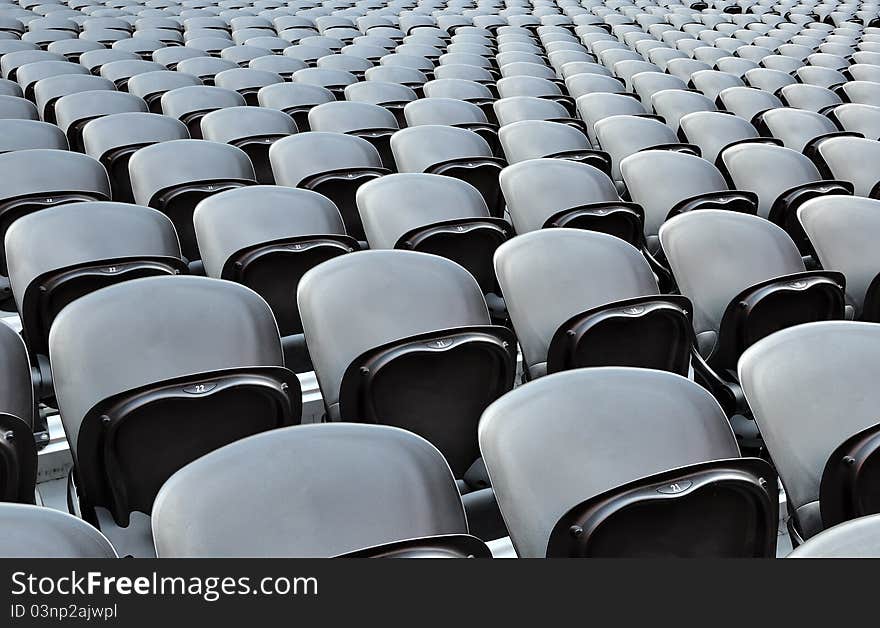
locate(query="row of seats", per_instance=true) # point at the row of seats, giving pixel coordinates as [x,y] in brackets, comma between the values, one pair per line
[674,465]
[709,167]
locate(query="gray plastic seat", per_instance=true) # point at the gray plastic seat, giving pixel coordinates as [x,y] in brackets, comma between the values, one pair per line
[411,77]
[374,123]
[541,275]
[850,159]
[595,107]
[281,65]
[114,138]
[40,178]
[173,176]
[29,74]
[172,55]
[811,392]
[673,104]
[810,97]
[534,139]
[698,185]
[252,129]
[852,539]
[29,134]
[205,68]
[48,90]
[722,258]
[404,490]
[517,108]
[543,193]
[646,84]
[799,129]
[121,71]
[624,135]
[606,433]
[841,231]
[434,214]
[38,532]
[207,350]
[152,85]
[747,102]
[18,421]
[858,118]
[713,131]
[294,99]
[130,240]
[10,88]
[15,108]
[12,60]
[74,111]
[781,177]
[266,238]
[246,81]
[334,80]
[445,307]
[453,152]
[190,104]
[94,60]
[332,164]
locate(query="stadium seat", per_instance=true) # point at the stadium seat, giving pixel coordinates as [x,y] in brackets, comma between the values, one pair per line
[852,539]
[37,532]
[252,129]
[18,451]
[824,464]
[434,214]
[213,374]
[174,176]
[122,242]
[673,473]
[452,152]
[405,497]
[286,233]
[332,164]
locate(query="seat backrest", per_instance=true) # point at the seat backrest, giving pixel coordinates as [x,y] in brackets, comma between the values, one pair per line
[345,117]
[40,532]
[542,277]
[273,213]
[767,170]
[517,108]
[418,148]
[537,189]
[796,127]
[239,123]
[713,131]
[369,298]
[30,134]
[649,174]
[623,135]
[843,231]
[851,159]
[810,387]
[852,539]
[393,205]
[46,171]
[404,490]
[159,167]
[716,254]
[599,428]
[444,111]
[300,156]
[533,139]
[165,322]
[118,130]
